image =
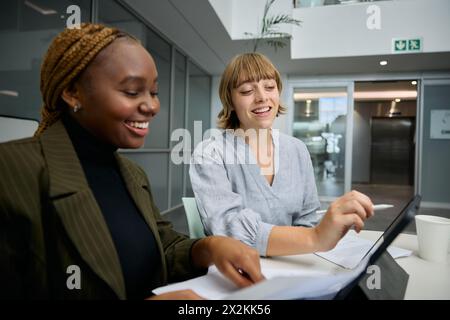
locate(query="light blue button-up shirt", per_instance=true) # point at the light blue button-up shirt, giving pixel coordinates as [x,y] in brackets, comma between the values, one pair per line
[235,199]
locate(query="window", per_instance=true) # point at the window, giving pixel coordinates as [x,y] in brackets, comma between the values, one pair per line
[28,27]
[26,30]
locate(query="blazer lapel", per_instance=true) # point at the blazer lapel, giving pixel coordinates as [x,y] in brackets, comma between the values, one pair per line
[78,210]
[139,190]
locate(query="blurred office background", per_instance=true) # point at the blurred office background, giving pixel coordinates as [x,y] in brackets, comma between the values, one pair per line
[371,111]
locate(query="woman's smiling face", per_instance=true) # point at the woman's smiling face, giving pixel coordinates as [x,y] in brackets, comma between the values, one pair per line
[256,103]
[118,94]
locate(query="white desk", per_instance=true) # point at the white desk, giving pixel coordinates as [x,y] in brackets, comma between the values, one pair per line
[427,280]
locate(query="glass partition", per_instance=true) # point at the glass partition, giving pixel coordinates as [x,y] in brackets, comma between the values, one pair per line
[198,109]
[178,118]
[320,116]
[26,30]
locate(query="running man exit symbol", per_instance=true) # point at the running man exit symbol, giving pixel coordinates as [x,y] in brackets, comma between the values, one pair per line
[414,45]
[406,45]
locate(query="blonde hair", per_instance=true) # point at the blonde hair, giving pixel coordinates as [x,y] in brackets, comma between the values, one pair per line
[67,57]
[244,67]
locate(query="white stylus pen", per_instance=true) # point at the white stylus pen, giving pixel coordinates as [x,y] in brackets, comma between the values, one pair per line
[375,208]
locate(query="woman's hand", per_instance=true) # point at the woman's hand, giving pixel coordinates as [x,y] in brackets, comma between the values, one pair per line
[237,261]
[177,295]
[353,208]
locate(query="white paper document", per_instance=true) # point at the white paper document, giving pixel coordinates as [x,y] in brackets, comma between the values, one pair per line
[351,249]
[291,283]
[215,286]
[280,284]
[298,287]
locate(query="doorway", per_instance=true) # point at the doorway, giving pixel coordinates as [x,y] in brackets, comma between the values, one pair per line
[384,142]
[392,151]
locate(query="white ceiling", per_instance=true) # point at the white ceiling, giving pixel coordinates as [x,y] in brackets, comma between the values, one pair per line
[195,28]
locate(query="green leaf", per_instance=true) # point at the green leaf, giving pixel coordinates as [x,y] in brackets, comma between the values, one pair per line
[269,28]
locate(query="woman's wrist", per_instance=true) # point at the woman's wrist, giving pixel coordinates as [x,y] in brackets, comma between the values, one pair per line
[290,240]
[310,239]
[201,252]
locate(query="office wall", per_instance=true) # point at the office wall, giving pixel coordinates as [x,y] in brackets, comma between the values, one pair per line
[435,178]
[216,104]
[339,31]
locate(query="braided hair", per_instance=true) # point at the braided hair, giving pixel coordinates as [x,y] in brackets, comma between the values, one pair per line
[67,57]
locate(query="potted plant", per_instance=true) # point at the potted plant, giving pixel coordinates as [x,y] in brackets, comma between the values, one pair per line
[270,32]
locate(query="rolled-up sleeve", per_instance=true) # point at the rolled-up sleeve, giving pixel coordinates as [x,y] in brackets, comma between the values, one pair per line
[222,211]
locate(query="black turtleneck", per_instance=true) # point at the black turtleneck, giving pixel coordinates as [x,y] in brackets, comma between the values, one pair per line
[133,239]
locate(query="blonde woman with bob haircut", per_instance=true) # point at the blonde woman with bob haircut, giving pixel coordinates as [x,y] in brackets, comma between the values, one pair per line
[256,184]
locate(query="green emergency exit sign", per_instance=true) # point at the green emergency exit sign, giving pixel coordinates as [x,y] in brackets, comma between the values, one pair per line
[406,45]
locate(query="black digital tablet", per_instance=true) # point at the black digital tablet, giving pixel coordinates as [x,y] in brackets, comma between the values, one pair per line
[400,222]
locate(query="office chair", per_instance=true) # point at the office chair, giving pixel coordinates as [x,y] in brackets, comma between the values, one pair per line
[193,218]
[13,128]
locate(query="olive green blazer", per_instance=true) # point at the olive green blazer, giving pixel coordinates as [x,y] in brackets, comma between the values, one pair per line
[50,220]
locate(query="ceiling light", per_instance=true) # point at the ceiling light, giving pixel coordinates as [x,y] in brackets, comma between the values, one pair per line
[39,9]
[359,95]
[383,63]
[308,96]
[385,95]
[414,82]
[9,93]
